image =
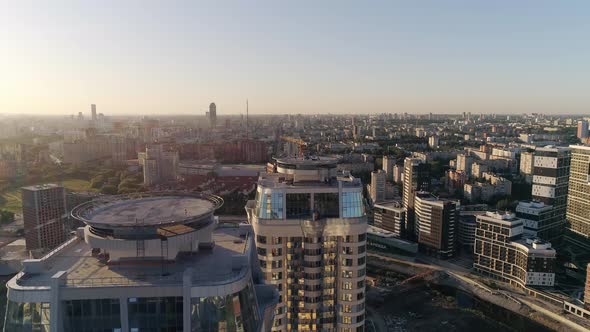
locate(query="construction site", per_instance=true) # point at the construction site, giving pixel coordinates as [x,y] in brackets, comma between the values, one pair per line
[407,296]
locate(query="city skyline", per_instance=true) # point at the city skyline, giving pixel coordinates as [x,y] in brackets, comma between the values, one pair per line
[295,58]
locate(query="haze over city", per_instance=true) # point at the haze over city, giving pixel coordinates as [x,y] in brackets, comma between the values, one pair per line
[150,57]
[294,166]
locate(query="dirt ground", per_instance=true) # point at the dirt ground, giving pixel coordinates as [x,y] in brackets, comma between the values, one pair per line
[419,308]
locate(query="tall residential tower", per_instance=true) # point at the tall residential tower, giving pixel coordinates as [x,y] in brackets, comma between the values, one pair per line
[310,227]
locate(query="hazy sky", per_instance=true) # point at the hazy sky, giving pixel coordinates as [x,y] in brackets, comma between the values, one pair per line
[132,57]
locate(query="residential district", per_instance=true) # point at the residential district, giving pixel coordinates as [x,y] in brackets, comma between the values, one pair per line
[348,223]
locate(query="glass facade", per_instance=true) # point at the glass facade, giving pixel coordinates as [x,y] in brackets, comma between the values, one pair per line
[352,205]
[298,206]
[326,205]
[155,314]
[269,205]
[232,313]
[27,317]
[96,315]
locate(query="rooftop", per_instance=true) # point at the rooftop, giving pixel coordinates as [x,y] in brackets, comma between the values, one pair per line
[211,266]
[390,205]
[315,161]
[147,210]
[39,187]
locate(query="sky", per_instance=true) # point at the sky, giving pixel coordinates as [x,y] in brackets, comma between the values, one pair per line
[308,57]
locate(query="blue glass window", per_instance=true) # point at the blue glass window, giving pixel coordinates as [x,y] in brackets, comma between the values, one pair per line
[352,205]
[270,205]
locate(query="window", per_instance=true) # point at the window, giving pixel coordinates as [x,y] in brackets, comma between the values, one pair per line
[352,205]
[326,205]
[261,239]
[298,206]
[270,205]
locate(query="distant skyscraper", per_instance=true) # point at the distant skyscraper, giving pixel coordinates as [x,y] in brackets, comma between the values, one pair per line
[212,115]
[416,178]
[388,163]
[582,129]
[44,216]
[93,111]
[551,170]
[578,198]
[436,222]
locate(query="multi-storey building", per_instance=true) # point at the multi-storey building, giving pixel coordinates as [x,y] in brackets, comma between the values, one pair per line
[156,262]
[550,186]
[212,115]
[436,223]
[388,163]
[377,186]
[464,163]
[158,165]
[416,177]
[390,216]
[527,160]
[310,227]
[503,253]
[534,215]
[44,216]
[578,198]
[582,129]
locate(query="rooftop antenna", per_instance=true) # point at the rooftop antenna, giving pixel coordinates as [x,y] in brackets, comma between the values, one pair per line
[247,132]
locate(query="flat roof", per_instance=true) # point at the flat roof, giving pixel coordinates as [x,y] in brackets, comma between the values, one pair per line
[308,161]
[38,187]
[151,210]
[211,266]
[156,209]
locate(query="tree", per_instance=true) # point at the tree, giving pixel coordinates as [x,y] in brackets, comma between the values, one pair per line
[6,217]
[108,189]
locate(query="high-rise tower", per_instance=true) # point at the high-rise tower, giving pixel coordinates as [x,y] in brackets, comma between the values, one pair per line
[212,115]
[578,198]
[93,112]
[310,227]
[551,168]
[44,216]
[416,178]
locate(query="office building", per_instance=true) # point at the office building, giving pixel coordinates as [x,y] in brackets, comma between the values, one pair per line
[582,129]
[436,222]
[501,252]
[390,216]
[310,228]
[93,112]
[212,115]
[536,217]
[466,231]
[527,162]
[377,186]
[397,175]
[44,216]
[159,261]
[158,165]
[388,163]
[578,198]
[416,177]
[550,186]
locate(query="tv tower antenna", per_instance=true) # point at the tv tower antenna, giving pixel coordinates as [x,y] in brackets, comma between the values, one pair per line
[247,132]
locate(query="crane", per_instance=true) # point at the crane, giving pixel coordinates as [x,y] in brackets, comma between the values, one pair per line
[302,145]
